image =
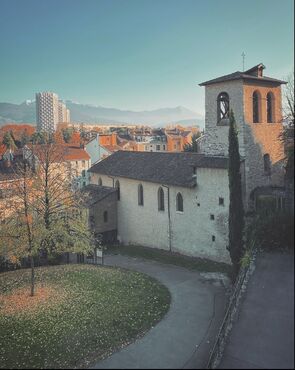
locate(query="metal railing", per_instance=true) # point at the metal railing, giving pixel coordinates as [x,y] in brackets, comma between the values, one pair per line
[216,351]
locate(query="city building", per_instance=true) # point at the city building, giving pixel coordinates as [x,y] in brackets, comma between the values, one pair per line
[62,112]
[68,115]
[47,111]
[70,161]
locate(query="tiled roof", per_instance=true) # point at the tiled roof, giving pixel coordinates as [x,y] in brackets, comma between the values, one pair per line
[164,168]
[93,193]
[111,148]
[61,152]
[73,153]
[241,75]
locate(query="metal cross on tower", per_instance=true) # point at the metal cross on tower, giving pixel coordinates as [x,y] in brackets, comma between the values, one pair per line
[243,56]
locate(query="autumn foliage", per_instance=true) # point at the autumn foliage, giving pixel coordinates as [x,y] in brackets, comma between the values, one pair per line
[17,130]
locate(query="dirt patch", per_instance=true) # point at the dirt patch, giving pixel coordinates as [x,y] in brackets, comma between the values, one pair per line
[20,300]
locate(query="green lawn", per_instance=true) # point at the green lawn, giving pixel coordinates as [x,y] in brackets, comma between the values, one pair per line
[192,263]
[80,314]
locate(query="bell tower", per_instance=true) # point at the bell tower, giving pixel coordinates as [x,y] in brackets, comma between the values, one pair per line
[256,102]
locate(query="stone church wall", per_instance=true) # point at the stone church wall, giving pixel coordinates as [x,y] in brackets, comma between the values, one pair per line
[216,136]
[191,231]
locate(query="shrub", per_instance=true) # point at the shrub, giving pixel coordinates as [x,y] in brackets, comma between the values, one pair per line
[271,230]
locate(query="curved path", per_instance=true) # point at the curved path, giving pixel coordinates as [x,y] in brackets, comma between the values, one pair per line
[184,337]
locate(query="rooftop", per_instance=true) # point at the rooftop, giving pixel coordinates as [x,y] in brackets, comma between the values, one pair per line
[255,73]
[59,153]
[163,168]
[93,193]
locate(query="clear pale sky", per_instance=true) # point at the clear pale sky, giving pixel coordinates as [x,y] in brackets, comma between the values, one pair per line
[138,54]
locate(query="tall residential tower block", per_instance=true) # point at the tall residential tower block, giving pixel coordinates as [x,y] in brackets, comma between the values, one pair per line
[47,111]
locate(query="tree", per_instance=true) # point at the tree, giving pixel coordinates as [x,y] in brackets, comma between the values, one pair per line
[47,215]
[83,135]
[236,210]
[193,146]
[58,137]
[21,232]
[8,141]
[287,135]
[39,138]
[58,203]
[67,134]
[25,138]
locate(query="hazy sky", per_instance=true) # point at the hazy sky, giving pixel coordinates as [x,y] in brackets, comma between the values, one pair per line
[137,54]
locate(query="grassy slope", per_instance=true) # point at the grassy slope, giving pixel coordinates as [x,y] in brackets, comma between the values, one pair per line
[97,310]
[193,263]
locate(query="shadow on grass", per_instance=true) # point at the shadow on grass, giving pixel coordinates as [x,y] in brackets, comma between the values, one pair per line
[191,263]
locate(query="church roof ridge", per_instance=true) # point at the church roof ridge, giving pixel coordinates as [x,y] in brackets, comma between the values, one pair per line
[163,168]
[246,75]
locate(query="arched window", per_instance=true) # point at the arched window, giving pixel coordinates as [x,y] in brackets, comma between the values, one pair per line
[105,216]
[222,106]
[140,195]
[267,164]
[117,185]
[256,107]
[99,181]
[269,107]
[161,206]
[179,202]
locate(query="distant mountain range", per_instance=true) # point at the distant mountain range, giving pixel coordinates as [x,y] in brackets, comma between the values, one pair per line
[26,113]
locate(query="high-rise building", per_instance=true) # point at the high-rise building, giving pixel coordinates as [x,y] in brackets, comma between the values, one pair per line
[46,111]
[62,112]
[68,115]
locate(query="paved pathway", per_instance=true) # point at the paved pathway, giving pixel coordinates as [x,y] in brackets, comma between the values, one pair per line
[262,337]
[185,336]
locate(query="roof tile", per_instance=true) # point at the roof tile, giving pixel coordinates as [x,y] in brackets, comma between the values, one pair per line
[164,168]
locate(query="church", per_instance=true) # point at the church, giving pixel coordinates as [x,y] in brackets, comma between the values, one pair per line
[180,201]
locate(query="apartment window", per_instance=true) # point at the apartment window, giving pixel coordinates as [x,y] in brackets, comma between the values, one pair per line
[213,238]
[161,205]
[140,195]
[212,217]
[117,185]
[164,147]
[105,216]
[221,201]
[83,173]
[179,202]
[83,164]
[99,181]
[158,147]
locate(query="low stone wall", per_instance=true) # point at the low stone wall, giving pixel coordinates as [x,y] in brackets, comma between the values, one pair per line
[232,308]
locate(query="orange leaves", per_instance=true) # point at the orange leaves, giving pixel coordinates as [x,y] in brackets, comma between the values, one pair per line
[75,139]
[17,130]
[58,138]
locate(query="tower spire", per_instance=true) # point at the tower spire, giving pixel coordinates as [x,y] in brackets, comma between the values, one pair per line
[243,56]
